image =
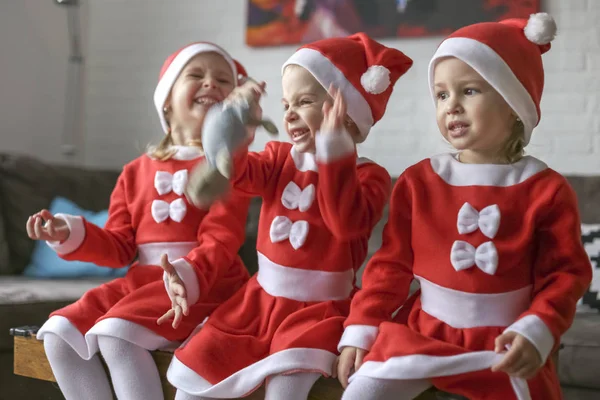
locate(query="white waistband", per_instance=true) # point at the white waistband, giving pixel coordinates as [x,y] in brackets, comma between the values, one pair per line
[150,253]
[302,284]
[470,310]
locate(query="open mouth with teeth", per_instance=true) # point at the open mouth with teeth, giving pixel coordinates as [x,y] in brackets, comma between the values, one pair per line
[299,134]
[206,100]
[457,129]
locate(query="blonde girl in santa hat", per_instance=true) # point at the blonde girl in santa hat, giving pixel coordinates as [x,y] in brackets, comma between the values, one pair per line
[150,221]
[492,236]
[320,203]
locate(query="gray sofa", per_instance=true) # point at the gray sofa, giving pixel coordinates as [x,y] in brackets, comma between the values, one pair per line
[27,185]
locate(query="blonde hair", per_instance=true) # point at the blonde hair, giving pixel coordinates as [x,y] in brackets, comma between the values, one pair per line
[163,151]
[296,66]
[292,66]
[514,148]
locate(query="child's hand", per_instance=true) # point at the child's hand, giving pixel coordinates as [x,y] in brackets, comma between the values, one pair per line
[44,226]
[179,305]
[522,359]
[350,359]
[334,116]
[251,91]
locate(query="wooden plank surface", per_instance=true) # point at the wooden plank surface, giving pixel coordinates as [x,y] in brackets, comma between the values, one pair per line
[31,361]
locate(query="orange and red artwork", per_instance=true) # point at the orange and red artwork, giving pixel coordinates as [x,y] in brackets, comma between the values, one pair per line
[284,22]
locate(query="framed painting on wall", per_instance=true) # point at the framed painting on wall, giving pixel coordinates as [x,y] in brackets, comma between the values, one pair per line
[284,22]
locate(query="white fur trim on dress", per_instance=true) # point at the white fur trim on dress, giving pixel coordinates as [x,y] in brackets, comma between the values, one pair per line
[419,366]
[361,336]
[455,173]
[332,146]
[304,161]
[463,310]
[303,284]
[151,253]
[179,62]
[129,331]
[186,273]
[63,328]
[250,378]
[86,346]
[328,73]
[487,63]
[536,331]
[76,235]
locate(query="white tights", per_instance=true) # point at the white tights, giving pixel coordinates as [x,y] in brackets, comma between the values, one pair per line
[365,388]
[132,369]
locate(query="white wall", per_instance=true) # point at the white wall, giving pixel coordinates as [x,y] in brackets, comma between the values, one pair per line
[34,48]
[129,39]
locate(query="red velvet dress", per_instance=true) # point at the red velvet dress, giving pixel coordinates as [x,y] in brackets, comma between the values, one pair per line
[495,248]
[315,222]
[150,216]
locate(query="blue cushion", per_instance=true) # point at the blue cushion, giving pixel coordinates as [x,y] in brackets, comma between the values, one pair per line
[45,263]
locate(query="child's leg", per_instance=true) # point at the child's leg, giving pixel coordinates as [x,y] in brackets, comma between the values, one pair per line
[181,395]
[76,377]
[365,388]
[291,387]
[132,369]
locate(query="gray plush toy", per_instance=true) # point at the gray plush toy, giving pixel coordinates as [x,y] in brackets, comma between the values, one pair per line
[224,131]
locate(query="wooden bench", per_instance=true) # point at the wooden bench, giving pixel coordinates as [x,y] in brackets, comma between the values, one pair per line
[31,361]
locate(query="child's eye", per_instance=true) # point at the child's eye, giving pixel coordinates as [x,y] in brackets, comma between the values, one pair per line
[196,76]
[225,81]
[442,95]
[286,107]
[305,101]
[471,91]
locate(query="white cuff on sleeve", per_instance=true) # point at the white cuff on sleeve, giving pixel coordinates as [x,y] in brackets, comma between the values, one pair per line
[536,331]
[361,336]
[186,273]
[332,146]
[76,235]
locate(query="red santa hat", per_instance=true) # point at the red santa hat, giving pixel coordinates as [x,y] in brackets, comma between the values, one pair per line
[508,55]
[175,63]
[364,70]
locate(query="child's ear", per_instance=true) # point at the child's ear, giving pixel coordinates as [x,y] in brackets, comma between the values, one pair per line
[167,111]
[167,105]
[353,130]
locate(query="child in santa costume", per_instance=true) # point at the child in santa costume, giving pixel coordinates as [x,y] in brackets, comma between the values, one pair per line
[320,203]
[150,217]
[492,236]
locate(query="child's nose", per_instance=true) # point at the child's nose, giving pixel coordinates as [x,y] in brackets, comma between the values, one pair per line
[290,115]
[209,83]
[453,107]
